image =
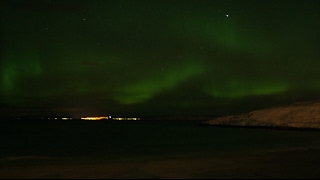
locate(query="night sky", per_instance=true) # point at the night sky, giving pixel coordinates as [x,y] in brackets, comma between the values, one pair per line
[156,58]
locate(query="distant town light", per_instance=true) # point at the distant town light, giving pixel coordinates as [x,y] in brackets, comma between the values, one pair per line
[94,118]
[128,118]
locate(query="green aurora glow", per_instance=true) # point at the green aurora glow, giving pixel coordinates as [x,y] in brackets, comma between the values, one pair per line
[130,57]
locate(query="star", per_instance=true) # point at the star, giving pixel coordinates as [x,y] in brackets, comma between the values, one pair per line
[227,15]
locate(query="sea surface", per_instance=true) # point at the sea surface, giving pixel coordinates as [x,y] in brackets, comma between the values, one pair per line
[275,153]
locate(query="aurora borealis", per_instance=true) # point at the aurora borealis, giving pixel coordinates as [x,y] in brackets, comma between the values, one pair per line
[154,58]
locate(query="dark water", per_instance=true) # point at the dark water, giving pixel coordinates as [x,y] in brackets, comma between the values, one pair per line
[103,138]
[204,151]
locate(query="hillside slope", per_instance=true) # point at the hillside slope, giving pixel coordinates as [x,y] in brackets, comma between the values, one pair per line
[297,115]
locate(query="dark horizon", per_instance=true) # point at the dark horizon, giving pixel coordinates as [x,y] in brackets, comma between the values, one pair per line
[230,109]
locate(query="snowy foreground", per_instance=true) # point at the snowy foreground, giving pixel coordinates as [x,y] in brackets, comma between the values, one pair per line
[297,115]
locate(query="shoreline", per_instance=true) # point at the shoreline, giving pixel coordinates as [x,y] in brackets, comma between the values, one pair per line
[261,127]
[275,164]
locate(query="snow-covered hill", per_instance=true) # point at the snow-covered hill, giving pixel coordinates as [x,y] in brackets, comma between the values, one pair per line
[297,115]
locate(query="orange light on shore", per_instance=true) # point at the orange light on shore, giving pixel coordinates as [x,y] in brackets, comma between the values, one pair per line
[94,118]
